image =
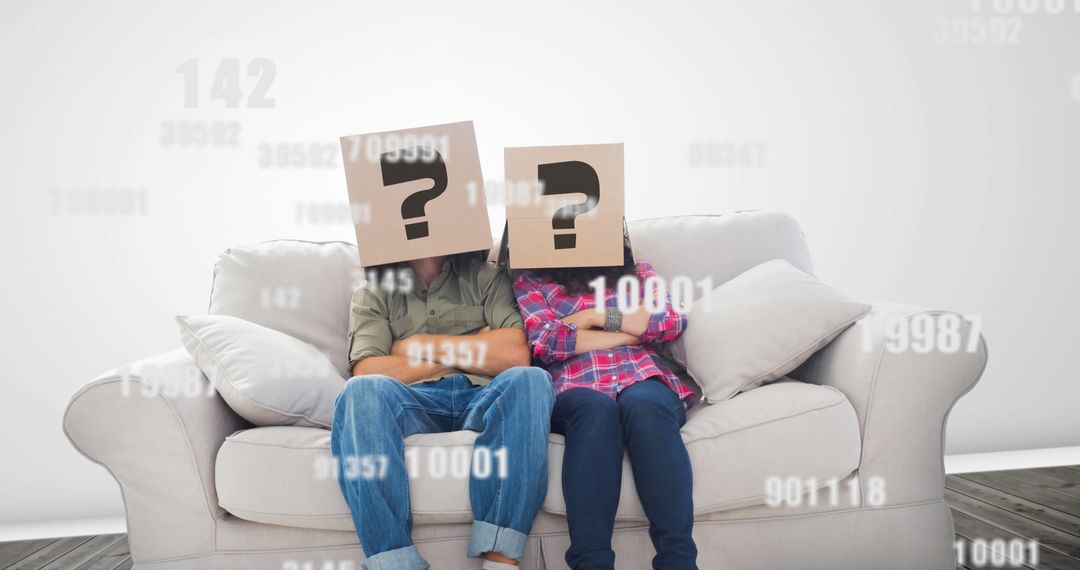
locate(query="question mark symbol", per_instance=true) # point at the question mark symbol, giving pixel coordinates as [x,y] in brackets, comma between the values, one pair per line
[569,177]
[397,171]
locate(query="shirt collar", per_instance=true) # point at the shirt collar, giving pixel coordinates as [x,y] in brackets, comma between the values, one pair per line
[449,269]
[451,265]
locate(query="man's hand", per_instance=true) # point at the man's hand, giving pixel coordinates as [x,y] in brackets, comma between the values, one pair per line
[402,347]
[486,351]
[399,368]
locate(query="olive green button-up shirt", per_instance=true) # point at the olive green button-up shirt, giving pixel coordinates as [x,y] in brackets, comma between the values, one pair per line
[468,295]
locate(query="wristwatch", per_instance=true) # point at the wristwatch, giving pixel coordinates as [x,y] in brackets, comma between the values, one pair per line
[612,319]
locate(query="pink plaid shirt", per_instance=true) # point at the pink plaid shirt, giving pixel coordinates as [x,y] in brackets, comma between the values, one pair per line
[543,303]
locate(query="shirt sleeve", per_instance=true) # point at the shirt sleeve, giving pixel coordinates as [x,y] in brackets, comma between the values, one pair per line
[369,327]
[550,339]
[500,306]
[666,325]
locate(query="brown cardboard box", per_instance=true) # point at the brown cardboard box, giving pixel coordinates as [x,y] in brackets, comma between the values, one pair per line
[413,185]
[572,213]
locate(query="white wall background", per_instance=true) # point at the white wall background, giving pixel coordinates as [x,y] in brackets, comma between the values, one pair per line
[923,168]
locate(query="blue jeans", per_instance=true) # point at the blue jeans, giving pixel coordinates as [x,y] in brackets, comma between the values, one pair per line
[645,419]
[373,416]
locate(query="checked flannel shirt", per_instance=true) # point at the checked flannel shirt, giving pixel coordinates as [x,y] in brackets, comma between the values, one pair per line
[543,303]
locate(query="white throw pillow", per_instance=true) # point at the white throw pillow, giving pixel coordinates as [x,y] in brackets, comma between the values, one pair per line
[296,287]
[267,377]
[759,326]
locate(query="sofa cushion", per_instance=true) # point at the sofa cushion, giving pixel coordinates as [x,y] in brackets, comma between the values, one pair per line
[284,475]
[759,326]
[267,377]
[785,429]
[719,247]
[298,287]
[276,475]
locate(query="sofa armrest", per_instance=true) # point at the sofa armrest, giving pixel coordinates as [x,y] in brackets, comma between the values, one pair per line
[902,399]
[156,425]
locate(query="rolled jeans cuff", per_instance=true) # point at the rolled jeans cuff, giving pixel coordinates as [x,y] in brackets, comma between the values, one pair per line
[407,558]
[487,537]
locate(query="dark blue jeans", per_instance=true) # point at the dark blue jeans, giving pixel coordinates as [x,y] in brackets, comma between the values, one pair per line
[645,419]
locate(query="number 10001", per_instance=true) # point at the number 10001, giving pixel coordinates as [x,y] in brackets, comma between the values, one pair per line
[630,293]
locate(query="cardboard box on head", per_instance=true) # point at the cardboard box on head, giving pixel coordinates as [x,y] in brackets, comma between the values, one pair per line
[414,182]
[571,214]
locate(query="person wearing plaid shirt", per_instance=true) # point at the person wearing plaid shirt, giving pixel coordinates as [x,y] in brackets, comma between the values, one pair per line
[613,392]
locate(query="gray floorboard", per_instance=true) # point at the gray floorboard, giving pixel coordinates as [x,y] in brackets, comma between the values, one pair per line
[86,551]
[12,552]
[52,551]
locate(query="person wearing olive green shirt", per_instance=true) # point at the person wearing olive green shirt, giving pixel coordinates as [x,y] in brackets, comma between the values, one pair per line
[442,349]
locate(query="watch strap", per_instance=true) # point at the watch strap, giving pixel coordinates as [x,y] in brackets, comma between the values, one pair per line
[612,319]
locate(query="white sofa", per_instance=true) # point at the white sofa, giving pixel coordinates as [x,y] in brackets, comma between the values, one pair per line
[204,489]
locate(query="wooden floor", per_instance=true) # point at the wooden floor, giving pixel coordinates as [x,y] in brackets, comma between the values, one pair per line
[1017,506]
[989,509]
[102,552]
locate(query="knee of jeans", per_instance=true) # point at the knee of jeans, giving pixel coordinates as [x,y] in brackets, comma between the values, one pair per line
[596,419]
[647,405]
[531,385]
[597,413]
[368,388]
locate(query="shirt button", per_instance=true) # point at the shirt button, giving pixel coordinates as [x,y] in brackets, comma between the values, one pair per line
[431,312]
[614,377]
[547,325]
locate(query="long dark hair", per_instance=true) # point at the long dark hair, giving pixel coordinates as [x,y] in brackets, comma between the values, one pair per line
[575,279]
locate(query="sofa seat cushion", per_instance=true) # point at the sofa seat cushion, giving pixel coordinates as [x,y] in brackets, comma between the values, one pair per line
[785,429]
[279,475]
[284,475]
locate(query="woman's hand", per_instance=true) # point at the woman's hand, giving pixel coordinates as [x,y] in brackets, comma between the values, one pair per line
[585,320]
[637,321]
